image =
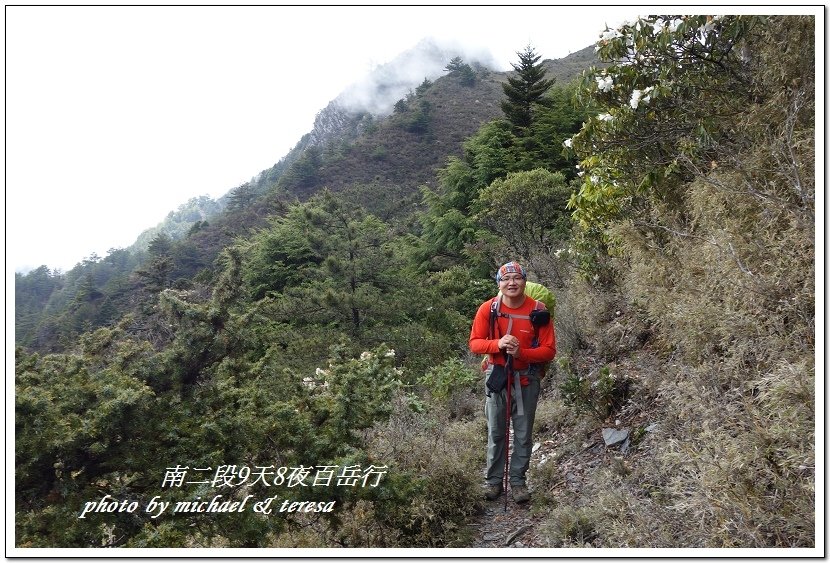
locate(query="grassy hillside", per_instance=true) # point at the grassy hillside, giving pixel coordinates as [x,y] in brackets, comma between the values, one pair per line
[395,154]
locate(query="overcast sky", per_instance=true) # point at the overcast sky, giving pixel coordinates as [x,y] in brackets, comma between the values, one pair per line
[117,115]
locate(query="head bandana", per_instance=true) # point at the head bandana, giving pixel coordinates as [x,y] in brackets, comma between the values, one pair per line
[511,268]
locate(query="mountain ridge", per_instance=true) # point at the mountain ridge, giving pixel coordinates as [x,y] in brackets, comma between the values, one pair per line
[343,120]
[381,160]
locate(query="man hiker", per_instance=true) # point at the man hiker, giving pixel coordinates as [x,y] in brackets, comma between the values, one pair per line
[512,331]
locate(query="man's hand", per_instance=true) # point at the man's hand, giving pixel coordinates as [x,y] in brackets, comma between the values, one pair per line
[509,344]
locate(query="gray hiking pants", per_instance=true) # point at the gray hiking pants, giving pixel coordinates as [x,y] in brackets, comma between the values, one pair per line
[522,426]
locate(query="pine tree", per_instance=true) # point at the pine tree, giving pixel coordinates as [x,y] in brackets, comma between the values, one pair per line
[242,196]
[457,67]
[524,90]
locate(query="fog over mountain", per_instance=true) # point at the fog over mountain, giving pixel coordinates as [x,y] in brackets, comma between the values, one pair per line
[216,96]
[378,91]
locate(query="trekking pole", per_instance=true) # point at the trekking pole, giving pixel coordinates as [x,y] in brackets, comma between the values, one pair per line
[509,369]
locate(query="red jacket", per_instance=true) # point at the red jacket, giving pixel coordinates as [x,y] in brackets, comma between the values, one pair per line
[481,343]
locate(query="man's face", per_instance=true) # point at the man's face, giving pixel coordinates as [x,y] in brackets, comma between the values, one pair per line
[512,285]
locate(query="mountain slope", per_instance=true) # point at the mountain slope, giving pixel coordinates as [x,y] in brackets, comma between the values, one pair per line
[406,148]
[424,114]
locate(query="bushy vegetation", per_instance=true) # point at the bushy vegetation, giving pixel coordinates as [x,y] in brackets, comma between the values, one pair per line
[696,211]
[668,200]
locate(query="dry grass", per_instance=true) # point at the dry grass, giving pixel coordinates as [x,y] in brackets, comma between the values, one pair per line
[728,295]
[727,292]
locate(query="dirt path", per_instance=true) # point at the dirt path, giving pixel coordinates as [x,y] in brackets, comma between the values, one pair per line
[514,528]
[507,524]
[521,526]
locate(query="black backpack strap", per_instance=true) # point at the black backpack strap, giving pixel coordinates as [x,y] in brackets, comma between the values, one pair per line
[494,314]
[538,307]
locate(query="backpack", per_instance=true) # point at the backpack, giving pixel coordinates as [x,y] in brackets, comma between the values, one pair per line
[537,313]
[540,293]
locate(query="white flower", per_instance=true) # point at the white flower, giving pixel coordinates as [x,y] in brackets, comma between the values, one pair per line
[568,143]
[320,372]
[609,34]
[635,98]
[704,31]
[390,353]
[365,355]
[605,117]
[675,24]
[604,83]
[658,27]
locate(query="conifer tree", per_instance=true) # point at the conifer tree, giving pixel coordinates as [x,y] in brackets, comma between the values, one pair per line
[524,90]
[457,67]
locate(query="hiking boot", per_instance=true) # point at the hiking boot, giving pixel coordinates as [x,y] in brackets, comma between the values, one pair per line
[492,492]
[520,493]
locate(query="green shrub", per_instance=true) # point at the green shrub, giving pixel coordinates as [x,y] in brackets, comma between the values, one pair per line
[601,392]
[445,379]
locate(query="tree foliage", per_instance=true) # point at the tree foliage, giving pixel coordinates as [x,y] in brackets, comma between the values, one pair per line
[525,91]
[462,71]
[678,88]
[451,232]
[528,212]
